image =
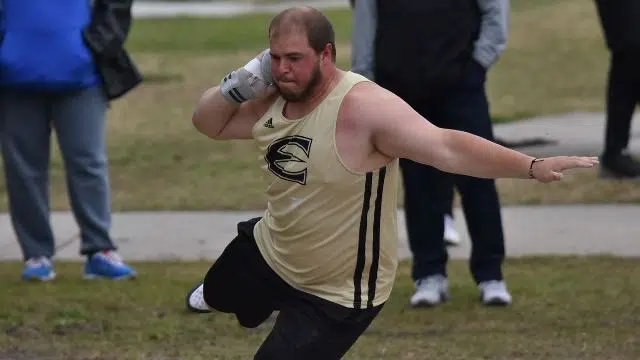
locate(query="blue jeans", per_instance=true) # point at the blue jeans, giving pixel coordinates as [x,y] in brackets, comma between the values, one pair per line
[79,122]
[429,191]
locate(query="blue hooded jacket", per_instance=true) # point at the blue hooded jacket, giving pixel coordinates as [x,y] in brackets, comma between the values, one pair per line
[42,45]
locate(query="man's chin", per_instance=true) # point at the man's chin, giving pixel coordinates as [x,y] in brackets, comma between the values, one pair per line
[291,97]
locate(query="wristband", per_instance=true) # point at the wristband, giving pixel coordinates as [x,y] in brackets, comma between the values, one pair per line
[531,167]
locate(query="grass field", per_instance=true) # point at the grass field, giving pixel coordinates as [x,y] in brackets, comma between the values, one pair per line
[564,308]
[555,62]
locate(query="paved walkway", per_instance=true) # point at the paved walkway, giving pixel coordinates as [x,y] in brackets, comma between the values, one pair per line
[529,230]
[557,230]
[570,134]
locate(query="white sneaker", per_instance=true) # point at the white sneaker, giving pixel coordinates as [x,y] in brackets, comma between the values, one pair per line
[494,293]
[430,291]
[451,236]
[195,300]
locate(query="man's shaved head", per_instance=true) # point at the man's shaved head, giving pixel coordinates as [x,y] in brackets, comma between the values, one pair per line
[312,22]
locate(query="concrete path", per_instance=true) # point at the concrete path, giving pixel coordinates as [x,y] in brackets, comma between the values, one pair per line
[529,230]
[558,230]
[570,134]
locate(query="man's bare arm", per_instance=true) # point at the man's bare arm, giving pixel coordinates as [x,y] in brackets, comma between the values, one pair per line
[398,131]
[230,110]
[220,119]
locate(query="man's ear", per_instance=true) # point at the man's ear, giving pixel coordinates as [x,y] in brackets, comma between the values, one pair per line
[326,53]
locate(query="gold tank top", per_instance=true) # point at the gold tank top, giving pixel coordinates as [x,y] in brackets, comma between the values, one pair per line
[328,231]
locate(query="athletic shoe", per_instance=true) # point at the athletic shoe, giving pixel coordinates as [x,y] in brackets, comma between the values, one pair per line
[39,268]
[494,293]
[451,236]
[430,291]
[107,265]
[195,300]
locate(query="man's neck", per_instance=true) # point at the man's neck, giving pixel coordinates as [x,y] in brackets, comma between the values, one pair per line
[300,109]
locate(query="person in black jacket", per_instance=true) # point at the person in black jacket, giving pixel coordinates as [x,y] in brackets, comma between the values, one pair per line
[60,65]
[450,236]
[620,21]
[434,54]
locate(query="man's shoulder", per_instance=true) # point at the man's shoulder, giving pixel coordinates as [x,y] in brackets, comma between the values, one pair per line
[361,101]
[358,95]
[366,92]
[361,87]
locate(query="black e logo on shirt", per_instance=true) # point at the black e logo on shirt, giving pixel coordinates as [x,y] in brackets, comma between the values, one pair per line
[287,158]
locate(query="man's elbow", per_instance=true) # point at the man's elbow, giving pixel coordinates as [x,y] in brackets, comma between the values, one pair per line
[443,151]
[200,123]
[196,120]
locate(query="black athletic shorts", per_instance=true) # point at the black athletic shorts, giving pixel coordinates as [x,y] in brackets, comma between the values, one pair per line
[307,327]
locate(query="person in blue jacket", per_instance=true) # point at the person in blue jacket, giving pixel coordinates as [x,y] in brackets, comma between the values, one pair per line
[61,62]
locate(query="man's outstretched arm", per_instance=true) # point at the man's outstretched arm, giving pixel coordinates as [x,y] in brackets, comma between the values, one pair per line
[398,131]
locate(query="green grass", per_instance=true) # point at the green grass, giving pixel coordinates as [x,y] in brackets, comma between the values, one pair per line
[216,35]
[564,308]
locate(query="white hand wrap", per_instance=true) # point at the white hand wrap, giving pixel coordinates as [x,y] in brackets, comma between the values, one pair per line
[249,81]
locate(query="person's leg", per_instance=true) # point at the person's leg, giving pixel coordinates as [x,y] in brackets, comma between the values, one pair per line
[25,141]
[623,94]
[468,109]
[240,282]
[425,204]
[427,198]
[79,121]
[315,330]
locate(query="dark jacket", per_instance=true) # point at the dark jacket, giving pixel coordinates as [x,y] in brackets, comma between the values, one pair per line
[620,21]
[417,45]
[105,36]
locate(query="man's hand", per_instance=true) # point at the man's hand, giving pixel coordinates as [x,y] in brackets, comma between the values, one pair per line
[230,110]
[550,169]
[249,81]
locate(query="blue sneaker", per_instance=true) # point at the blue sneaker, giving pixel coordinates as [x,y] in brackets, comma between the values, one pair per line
[39,268]
[107,265]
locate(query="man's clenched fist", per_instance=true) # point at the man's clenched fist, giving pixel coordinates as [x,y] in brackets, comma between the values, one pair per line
[249,81]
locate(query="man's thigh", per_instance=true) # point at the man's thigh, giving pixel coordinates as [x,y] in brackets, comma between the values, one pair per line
[314,331]
[241,282]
